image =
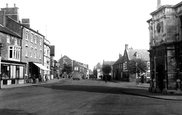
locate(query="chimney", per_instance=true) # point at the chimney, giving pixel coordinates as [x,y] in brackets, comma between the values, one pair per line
[120,55]
[126,46]
[26,22]
[158,4]
[14,5]
[6,5]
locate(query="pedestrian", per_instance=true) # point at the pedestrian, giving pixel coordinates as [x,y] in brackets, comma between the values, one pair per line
[46,78]
[33,78]
[40,78]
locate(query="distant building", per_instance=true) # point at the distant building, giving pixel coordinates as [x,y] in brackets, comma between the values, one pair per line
[120,68]
[47,58]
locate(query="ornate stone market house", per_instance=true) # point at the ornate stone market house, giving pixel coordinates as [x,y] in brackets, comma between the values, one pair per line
[165,28]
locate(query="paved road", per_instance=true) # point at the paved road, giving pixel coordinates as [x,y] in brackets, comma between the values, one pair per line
[85,97]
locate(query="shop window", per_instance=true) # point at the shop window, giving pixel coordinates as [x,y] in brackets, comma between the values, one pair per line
[13,71]
[5,71]
[21,72]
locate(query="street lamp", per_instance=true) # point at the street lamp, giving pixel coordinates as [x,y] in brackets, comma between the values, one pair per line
[1,45]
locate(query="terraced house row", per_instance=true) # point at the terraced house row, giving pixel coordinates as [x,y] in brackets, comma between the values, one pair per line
[24,51]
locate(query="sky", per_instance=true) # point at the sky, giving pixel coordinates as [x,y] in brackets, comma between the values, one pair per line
[90,31]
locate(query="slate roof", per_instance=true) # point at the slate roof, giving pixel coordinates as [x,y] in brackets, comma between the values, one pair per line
[143,53]
[8,31]
[120,60]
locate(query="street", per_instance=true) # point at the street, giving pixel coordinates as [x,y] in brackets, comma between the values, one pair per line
[81,97]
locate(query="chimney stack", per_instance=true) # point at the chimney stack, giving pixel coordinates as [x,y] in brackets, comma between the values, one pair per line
[120,55]
[158,4]
[126,46]
[26,22]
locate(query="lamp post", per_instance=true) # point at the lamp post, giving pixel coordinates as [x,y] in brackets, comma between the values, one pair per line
[1,45]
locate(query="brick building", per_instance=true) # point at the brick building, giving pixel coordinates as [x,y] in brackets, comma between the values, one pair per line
[12,69]
[120,68]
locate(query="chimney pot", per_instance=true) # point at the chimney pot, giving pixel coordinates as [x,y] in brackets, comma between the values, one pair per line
[14,5]
[6,5]
[126,46]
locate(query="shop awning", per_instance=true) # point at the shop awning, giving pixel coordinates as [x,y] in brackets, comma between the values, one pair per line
[41,66]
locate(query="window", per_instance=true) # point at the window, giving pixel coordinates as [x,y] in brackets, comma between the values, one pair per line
[14,52]
[26,35]
[40,41]
[26,53]
[35,39]
[16,42]
[32,37]
[8,39]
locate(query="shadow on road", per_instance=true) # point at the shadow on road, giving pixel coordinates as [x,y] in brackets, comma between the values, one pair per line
[13,112]
[114,90]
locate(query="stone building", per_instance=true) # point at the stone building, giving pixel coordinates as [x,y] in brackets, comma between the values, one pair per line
[166,48]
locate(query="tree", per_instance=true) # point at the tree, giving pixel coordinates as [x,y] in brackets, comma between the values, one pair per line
[137,66]
[67,68]
[106,69]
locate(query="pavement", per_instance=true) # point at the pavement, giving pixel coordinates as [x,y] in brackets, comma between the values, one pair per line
[126,88]
[142,90]
[30,84]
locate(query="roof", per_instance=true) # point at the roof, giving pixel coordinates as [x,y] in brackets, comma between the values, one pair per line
[160,8]
[8,31]
[142,53]
[120,60]
[108,62]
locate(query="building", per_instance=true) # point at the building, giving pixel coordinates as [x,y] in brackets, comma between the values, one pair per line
[47,58]
[53,67]
[76,66]
[166,48]
[64,60]
[120,68]
[31,45]
[81,68]
[12,69]
[32,52]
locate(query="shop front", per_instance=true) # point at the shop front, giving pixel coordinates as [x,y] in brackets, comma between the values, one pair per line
[166,68]
[37,70]
[12,72]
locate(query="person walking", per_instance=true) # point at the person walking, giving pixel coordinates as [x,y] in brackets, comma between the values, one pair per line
[33,78]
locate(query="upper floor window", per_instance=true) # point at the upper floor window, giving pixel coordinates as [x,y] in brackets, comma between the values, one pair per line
[32,37]
[36,39]
[40,41]
[8,39]
[26,35]
[14,52]
[16,42]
